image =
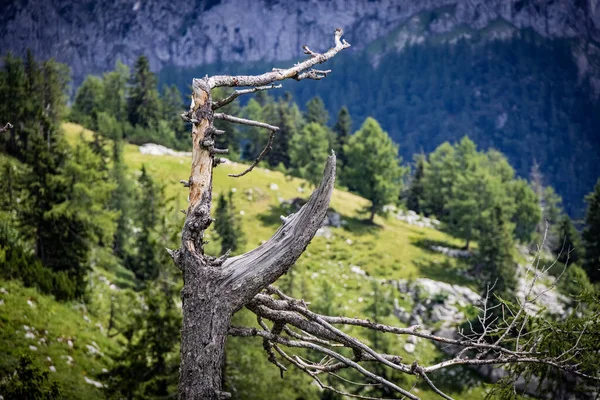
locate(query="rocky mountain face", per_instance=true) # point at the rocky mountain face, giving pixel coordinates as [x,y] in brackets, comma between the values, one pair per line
[91,35]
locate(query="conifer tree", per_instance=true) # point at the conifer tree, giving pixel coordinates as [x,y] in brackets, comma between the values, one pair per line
[228,224]
[13,104]
[415,192]
[495,245]
[289,120]
[591,235]
[115,94]
[438,179]
[308,152]
[143,104]
[171,108]
[569,243]
[88,102]
[255,137]
[150,204]
[147,368]
[373,168]
[316,111]
[343,130]
[527,213]
[121,201]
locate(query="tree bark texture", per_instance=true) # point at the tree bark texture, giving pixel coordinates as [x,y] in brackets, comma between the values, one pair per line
[215,288]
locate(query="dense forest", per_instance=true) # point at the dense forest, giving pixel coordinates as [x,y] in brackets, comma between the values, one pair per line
[69,209]
[521,96]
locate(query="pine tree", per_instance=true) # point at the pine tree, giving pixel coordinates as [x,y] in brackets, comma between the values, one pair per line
[373,168]
[121,202]
[591,235]
[150,205]
[495,259]
[527,213]
[147,368]
[343,130]
[171,108]
[569,249]
[88,102]
[415,192]
[308,152]
[115,94]
[254,137]
[438,178]
[228,224]
[13,104]
[289,120]
[316,111]
[143,104]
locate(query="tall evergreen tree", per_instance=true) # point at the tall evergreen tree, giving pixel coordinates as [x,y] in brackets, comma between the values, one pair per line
[316,111]
[569,249]
[14,105]
[255,139]
[343,130]
[591,235]
[115,94]
[527,213]
[438,178]
[171,108]
[373,168]
[495,245]
[145,262]
[289,120]
[143,104]
[308,152]
[88,102]
[415,192]
[228,224]
[121,202]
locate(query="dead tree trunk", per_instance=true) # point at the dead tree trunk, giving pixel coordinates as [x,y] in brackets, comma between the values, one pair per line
[215,288]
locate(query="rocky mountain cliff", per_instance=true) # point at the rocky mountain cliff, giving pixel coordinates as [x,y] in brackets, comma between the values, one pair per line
[91,35]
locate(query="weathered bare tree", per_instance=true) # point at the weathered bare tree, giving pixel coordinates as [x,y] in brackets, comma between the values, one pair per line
[215,288]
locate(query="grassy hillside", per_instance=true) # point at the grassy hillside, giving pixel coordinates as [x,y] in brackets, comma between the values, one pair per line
[390,250]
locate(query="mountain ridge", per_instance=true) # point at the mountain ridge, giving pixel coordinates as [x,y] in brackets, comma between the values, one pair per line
[90,36]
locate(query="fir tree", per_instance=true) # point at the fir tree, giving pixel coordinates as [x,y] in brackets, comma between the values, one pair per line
[495,245]
[147,368]
[171,108]
[415,192]
[115,94]
[228,224]
[569,249]
[143,104]
[373,168]
[150,204]
[88,102]
[316,112]
[591,235]
[121,202]
[343,130]
[308,152]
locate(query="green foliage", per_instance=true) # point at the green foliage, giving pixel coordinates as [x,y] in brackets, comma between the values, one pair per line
[143,105]
[591,235]
[373,168]
[114,97]
[121,202]
[87,102]
[527,213]
[308,152]
[342,130]
[146,369]
[30,383]
[146,260]
[569,249]
[461,186]
[415,191]
[316,111]
[228,224]
[494,257]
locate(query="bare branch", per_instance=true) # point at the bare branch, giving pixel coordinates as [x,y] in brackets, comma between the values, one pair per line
[295,72]
[223,102]
[243,121]
[259,158]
